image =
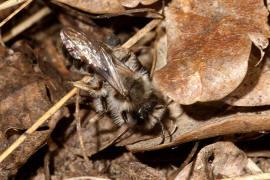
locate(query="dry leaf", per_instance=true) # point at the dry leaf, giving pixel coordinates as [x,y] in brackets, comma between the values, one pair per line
[134,3]
[23,100]
[218,160]
[95,6]
[209,44]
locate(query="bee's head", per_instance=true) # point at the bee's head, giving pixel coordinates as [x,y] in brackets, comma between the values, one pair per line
[145,109]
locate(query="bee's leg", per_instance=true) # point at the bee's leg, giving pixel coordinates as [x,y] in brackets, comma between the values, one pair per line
[162,132]
[118,117]
[133,63]
[157,114]
[161,127]
[98,105]
[123,117]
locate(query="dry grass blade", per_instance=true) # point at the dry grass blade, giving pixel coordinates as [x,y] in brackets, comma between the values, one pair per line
[10,3]
[79,131]
[26,24]
[141,33]
[15,12]
[38,123]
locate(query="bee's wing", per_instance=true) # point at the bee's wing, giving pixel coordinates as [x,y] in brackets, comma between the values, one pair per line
[94,54]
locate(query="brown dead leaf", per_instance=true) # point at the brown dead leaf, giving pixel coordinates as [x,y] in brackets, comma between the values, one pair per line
[95,6]
[134,3]
[208,47]
[23,100]
[218,160]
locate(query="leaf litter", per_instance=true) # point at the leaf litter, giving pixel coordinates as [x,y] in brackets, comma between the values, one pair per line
[204,57]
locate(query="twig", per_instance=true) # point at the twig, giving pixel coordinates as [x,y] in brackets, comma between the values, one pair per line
[189,157]
[187,160]
[10,3]
[79,131]
[141,33]
[38,123]
[15,12]
[26,24]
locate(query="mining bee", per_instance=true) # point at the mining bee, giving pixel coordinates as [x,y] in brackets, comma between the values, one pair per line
[122,88]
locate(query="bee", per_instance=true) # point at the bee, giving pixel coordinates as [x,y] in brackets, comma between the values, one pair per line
[122,88]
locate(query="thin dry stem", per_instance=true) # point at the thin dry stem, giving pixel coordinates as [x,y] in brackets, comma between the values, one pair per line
[189,157]
[79,129]
[134,39]
[26,24]
[187,160]
[38,123]
[10,3]
[15,12]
